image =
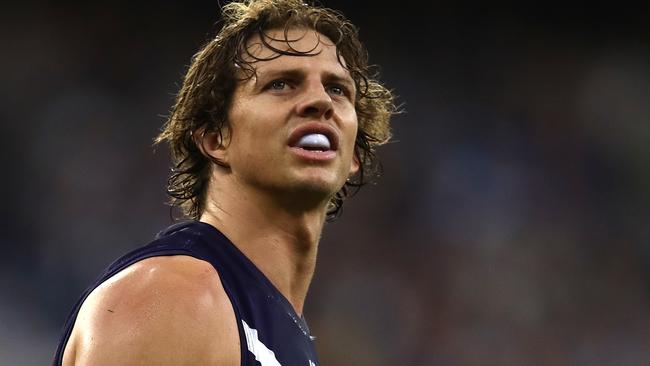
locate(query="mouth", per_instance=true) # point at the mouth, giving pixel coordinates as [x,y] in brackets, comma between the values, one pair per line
[314,137]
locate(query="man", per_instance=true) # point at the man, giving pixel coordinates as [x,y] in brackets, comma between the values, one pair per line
[276,118]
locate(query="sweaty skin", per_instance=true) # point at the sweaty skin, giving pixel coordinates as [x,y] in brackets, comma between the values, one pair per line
[270,199]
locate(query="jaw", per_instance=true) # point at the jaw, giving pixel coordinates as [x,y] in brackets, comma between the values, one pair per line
[312,186]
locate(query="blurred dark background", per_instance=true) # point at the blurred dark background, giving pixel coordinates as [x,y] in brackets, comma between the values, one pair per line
[511,226]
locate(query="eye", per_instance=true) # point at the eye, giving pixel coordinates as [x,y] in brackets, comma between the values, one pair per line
[277,85]
[337,90]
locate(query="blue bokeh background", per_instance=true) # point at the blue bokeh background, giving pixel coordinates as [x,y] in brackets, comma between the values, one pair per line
[511,226]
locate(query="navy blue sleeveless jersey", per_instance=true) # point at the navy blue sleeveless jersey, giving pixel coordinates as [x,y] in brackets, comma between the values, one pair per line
[270,331]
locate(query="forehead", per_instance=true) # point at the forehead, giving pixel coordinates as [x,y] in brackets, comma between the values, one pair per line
[279,48]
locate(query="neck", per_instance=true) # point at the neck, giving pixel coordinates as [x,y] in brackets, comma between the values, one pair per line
[281,242]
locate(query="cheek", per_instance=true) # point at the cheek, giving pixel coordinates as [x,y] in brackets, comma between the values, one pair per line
[255,141]
[243,127]
[351,128]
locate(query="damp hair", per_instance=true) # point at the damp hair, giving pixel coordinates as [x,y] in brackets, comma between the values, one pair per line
[202,103]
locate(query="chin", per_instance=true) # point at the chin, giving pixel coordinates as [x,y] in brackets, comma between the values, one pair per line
[322,188]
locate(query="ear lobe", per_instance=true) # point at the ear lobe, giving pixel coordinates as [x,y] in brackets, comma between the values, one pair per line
[354,166]
[213,144]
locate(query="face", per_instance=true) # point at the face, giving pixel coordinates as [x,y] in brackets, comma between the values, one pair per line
[293,125]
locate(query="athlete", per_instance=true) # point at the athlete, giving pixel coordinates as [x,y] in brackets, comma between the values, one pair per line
[277,118]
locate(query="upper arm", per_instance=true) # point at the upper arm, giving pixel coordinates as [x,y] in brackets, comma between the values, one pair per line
[164,311]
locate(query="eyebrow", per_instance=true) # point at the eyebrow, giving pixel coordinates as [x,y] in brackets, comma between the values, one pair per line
[300,74]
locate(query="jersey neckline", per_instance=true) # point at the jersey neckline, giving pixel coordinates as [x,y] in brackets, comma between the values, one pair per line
[210,230]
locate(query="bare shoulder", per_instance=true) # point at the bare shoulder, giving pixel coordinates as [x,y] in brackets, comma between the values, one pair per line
[168,310]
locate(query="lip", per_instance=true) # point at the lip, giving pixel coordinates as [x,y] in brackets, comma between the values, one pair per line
[313,155]
[314,127]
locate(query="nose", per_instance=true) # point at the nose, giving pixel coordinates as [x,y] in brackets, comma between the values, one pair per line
[316,103]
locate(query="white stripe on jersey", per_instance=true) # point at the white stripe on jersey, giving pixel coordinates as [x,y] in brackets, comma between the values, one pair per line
[262,353]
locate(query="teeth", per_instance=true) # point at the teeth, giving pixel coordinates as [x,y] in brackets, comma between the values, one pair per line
[314,141]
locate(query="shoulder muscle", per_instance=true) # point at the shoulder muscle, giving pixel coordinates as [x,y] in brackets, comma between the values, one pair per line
[169,310]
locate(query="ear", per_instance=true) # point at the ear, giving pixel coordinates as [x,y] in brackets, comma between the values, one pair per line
[213,144]
[354,167]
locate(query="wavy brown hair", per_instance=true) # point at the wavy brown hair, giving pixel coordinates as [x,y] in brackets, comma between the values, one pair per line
[204,99]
